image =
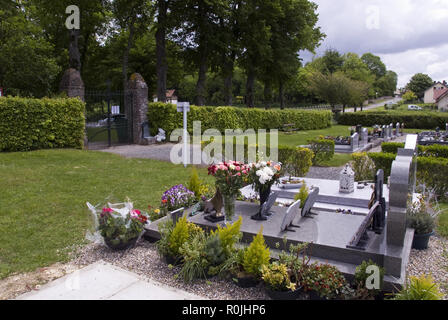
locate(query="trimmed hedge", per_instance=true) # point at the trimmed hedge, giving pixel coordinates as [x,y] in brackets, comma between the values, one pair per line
[436,151]
[31,124]
[165,116]
[414,120]
[430,171]
[323,150]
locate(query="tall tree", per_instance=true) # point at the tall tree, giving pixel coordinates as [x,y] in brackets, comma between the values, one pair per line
[160,35]
[419,83]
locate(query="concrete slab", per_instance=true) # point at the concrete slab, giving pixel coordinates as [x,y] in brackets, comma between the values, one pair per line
[103,281]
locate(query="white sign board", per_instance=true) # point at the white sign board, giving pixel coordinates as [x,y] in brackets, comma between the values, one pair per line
[115,109]
[182,105]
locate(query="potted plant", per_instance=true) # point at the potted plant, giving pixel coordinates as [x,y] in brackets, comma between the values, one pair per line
[252,259]
[120,225]
[230,177]
[422,222]
[277,282]
[323,282]
[177,197]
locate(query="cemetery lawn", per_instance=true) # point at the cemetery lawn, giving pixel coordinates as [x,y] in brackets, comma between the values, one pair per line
[43,212]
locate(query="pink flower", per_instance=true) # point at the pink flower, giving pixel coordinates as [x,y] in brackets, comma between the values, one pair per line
[244,172]
[238,174]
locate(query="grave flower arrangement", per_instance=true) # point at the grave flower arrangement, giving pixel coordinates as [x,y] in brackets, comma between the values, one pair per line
[230,178]
[120,225]
[177,197]
[264,174]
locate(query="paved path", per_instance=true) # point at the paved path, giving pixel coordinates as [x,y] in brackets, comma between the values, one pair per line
[374,105]
[103,281]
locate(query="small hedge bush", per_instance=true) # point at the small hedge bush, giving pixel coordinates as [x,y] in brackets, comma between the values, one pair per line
[165,116]
[323,150]
[32,124]
[433,172]
[436,151]
[412,119]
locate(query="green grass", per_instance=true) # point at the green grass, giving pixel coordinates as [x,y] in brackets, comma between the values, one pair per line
[302,137]
[442,227]
[44,193]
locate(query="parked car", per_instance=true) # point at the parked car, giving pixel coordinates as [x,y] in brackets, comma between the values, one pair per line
[414,107]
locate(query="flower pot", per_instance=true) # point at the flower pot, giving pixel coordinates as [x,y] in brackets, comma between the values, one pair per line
[421,241]
[314,295]
[169,259]
[246,281]
[284,295]
[121,245]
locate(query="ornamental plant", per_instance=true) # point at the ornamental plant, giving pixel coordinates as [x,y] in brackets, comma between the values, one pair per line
[182,232]
[230,176]
[420,288]
[256,255]
[119,224]
[324,279]
[177,197]
[361,275]
[276,277]
[419,219]
[264,174]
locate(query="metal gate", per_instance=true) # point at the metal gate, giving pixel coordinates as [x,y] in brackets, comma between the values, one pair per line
[108,118]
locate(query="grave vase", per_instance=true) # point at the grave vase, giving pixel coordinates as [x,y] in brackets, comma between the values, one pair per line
[229,206]
[264,195]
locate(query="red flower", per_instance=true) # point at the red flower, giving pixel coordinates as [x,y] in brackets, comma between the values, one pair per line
[164,201]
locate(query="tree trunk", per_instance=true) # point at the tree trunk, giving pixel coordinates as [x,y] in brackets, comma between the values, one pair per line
[281,95]
[267,94]
[343,108]
[126,54]
[250,89]
[161,65]
[202,78]
[228,80]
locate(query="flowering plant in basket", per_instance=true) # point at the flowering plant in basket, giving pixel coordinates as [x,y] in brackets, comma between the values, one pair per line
[120,225]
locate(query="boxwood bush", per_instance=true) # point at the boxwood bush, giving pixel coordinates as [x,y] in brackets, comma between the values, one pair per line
[31,124]
[430,171]
[436,151]
[165,116]
[411,119]
[323,150]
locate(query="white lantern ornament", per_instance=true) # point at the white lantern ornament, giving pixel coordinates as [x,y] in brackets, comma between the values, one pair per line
[347,180]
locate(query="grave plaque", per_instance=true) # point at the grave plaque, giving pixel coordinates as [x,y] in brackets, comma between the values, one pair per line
[364,136]
[289,217]
[176,215]
[354,143]
[267,206]
[309,202]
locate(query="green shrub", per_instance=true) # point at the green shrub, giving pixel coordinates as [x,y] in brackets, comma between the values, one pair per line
[383,161]
[165,116]
[433,172]
[363,166]
[411,119]
[256,255]
[229,235]
[436,151]
[195,263]
[361,274]
[32,124]
[296,160]
[323,150]
[195,183]
[182,232]
[302,195]
[276,277]
[420,288]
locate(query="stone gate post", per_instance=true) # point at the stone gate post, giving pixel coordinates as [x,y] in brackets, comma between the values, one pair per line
[138,88]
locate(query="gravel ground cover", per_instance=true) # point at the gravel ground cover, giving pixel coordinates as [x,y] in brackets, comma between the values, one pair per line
[144,260]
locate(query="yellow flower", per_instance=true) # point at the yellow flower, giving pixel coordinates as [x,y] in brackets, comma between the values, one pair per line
[157,211]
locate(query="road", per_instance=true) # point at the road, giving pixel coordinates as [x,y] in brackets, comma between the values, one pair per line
[374,105]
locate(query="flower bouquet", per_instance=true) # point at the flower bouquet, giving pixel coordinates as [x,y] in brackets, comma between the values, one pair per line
[120,225]
[263,175]
[230,178]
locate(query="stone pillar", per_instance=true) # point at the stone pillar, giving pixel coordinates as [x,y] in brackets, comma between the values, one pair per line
[354,143]
[138,88]
[72,84]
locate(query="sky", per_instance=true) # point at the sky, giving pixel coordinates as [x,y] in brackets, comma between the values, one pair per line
[410,36]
